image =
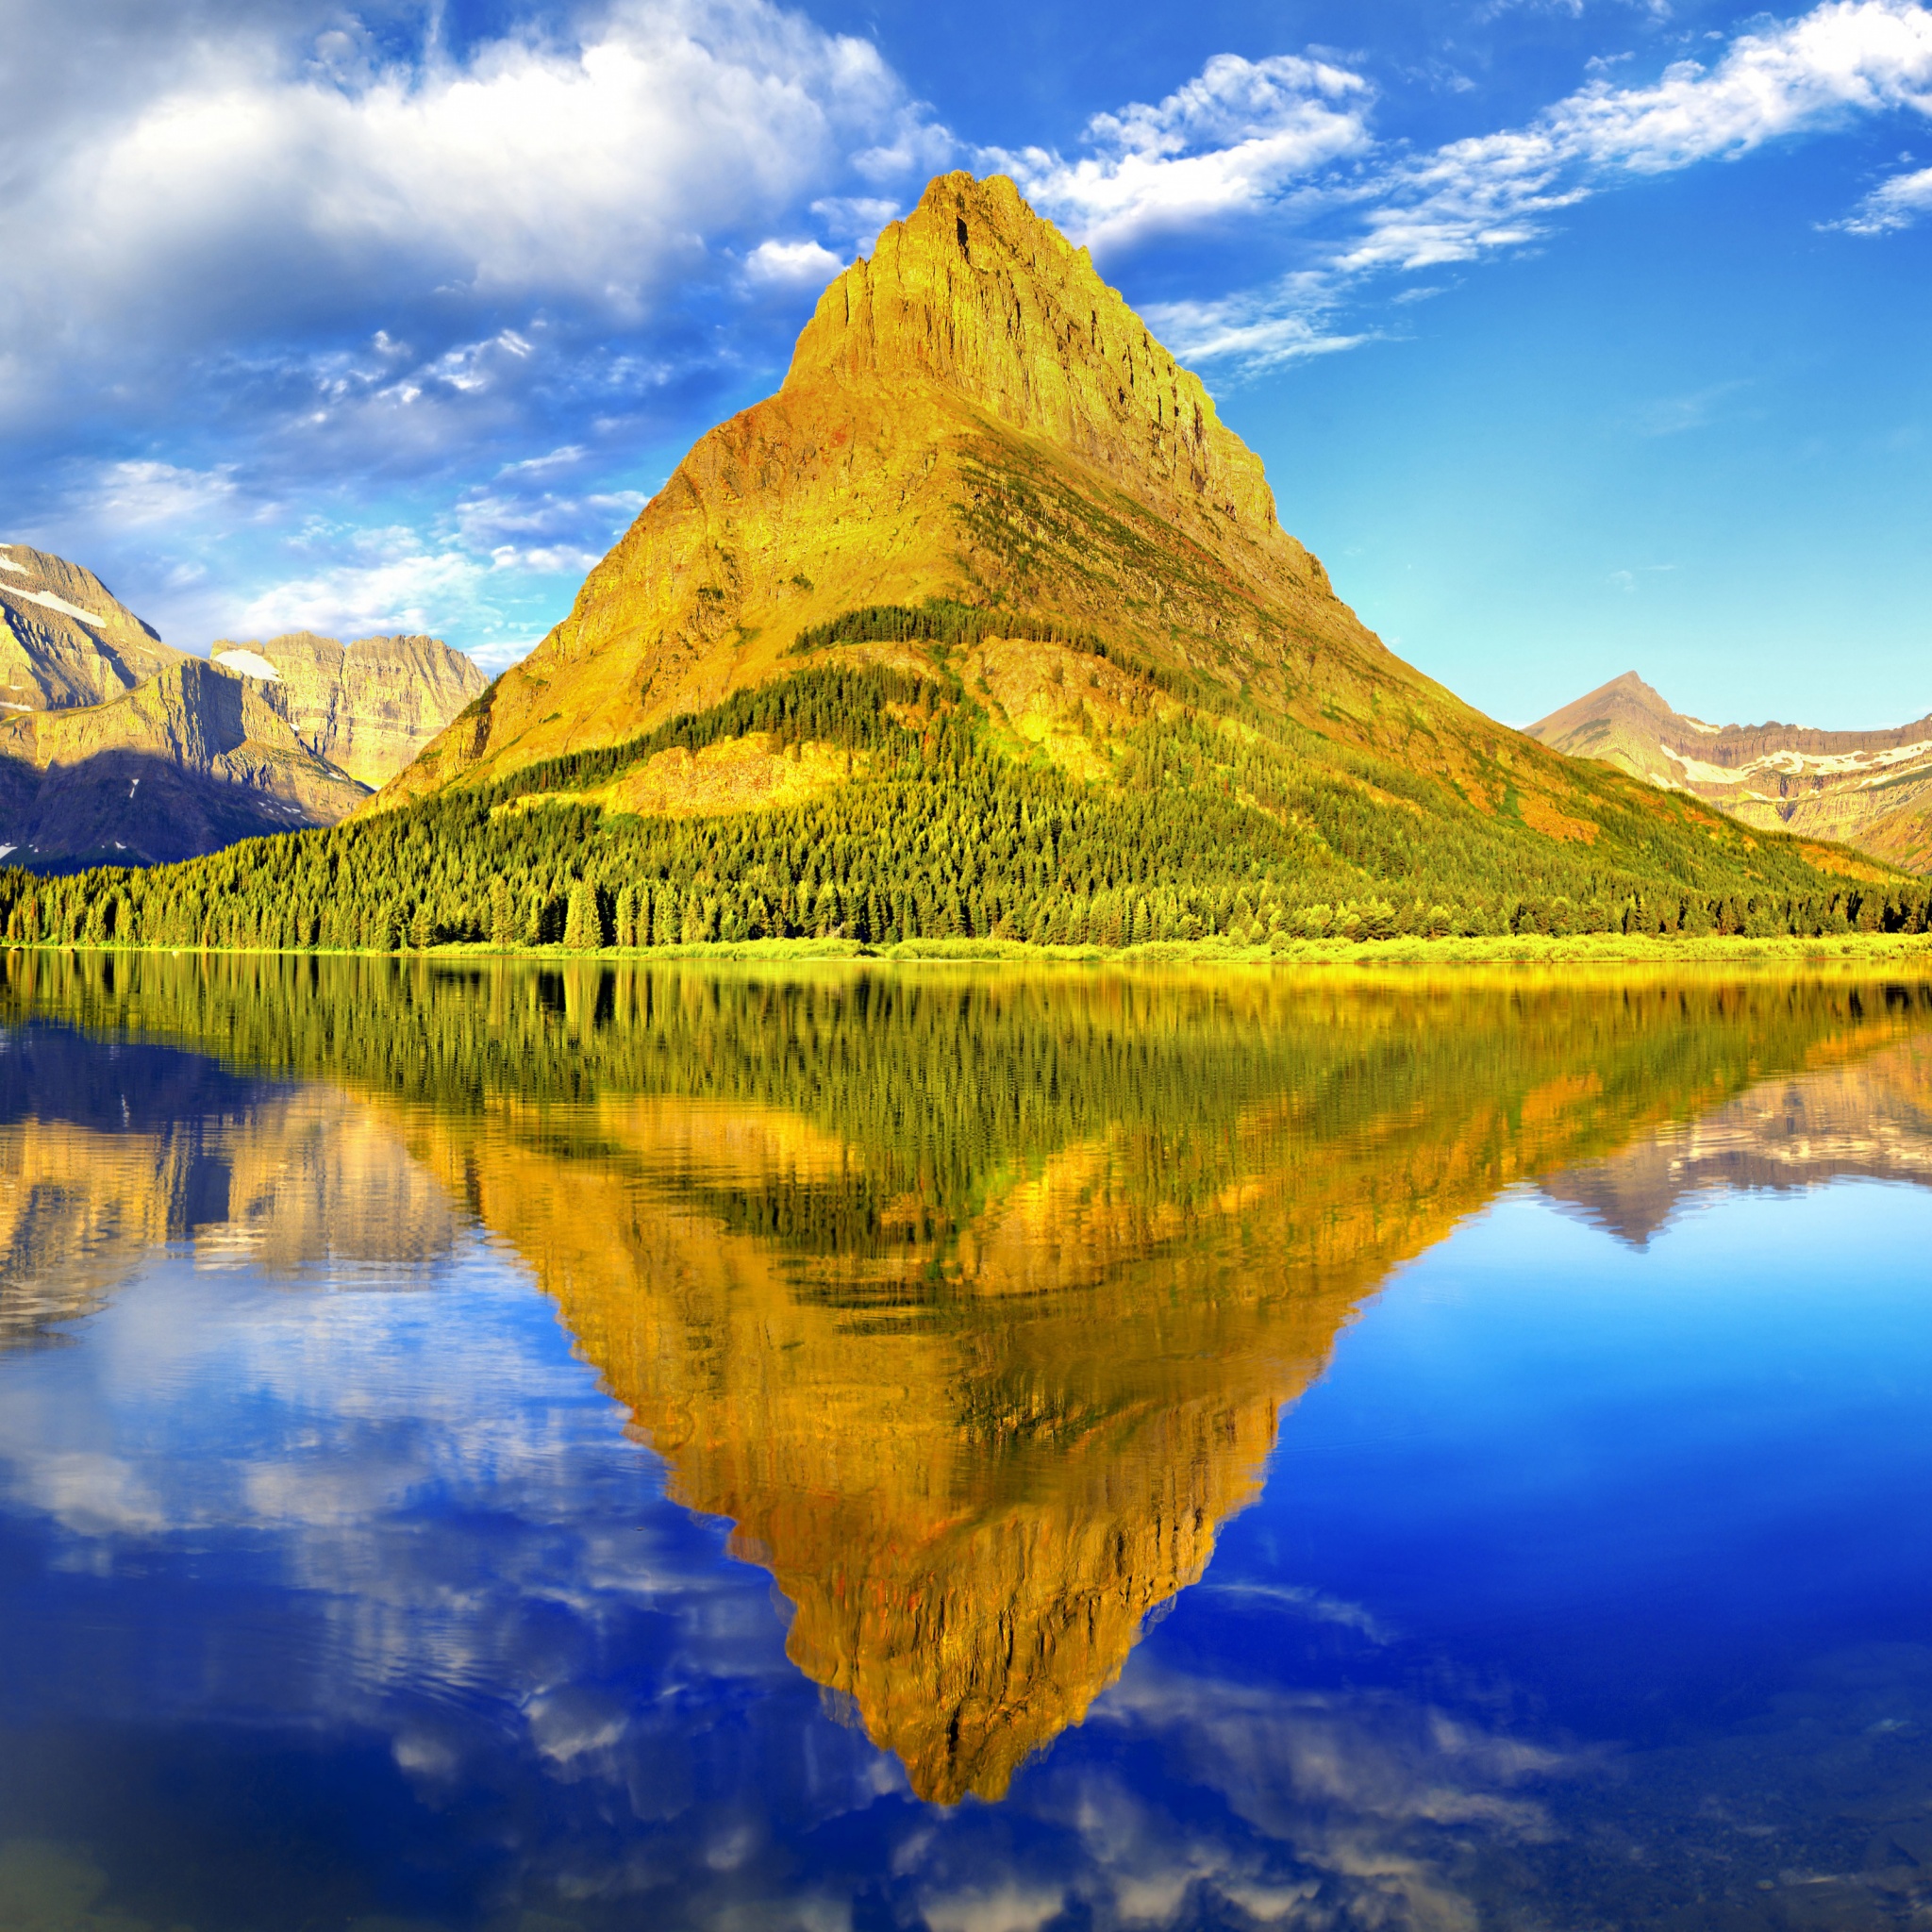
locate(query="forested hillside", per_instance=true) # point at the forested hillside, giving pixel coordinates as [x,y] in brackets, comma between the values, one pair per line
[930,821]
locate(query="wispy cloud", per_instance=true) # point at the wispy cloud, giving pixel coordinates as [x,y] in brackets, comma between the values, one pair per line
[1229,141]
[1894,203]
[1291,141]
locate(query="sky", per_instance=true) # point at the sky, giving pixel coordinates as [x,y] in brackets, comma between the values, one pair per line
[1577,336]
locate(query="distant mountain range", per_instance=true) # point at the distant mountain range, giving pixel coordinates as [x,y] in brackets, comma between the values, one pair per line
[115,748]
[1868,789]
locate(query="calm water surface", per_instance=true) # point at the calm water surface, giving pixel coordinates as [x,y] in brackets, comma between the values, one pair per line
[855,1450]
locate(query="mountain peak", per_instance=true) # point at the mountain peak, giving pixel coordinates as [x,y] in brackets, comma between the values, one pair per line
[976,293]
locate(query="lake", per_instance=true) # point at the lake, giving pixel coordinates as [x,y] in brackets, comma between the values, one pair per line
[852,1448]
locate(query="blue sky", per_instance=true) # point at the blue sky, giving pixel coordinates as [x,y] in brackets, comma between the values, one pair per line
[1577,335]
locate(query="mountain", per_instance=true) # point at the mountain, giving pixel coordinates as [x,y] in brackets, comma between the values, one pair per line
[65,640]
[191,761]
[984,625]
[368,707]
[1871,790]
[123,750]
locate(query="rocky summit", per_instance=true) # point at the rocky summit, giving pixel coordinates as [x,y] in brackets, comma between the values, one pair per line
[65,638]
[1871,790]
[367,708]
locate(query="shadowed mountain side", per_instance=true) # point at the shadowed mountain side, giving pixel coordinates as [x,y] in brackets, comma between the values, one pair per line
[1872,1120]
[1871,790]
[65,640]
[184,764]
[971,1301]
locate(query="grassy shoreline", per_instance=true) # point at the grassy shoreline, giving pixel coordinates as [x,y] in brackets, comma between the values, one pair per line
[1591,949]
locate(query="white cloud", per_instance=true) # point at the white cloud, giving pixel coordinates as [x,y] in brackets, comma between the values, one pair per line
[155,492]
[409,589]
[1227,142]
[1843,59]
[1894,203]
[791,263]
[244,194]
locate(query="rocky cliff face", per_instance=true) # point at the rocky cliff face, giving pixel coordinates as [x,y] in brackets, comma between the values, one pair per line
[367,708]
[187,763]
[1871,790]
[65,640]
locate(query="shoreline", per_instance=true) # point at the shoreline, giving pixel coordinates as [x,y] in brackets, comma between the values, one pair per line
[1593,949]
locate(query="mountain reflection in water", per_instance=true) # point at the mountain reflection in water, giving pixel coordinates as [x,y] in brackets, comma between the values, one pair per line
[971,1301]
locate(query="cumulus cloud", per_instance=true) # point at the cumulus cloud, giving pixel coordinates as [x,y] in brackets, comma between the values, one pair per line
[272,262]
[243,196]
[792,262]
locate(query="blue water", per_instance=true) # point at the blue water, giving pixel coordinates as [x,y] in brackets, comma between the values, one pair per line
[1588,1581]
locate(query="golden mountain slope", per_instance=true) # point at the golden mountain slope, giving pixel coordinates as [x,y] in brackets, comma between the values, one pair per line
[974,415]
[65,638]
[1868,789]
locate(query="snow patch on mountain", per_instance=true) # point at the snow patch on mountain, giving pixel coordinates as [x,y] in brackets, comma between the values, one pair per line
[249,664]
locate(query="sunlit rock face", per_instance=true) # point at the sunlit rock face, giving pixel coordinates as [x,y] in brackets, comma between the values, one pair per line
[972,1303]
[367,708]
[185,763]
[65,638]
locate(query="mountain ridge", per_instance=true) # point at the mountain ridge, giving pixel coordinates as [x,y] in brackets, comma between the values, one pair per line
[65,638]
[1871,790]
[117,748]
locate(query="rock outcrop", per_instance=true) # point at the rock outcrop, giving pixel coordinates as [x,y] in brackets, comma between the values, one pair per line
[368,707]
[1871,790]
[65,638]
